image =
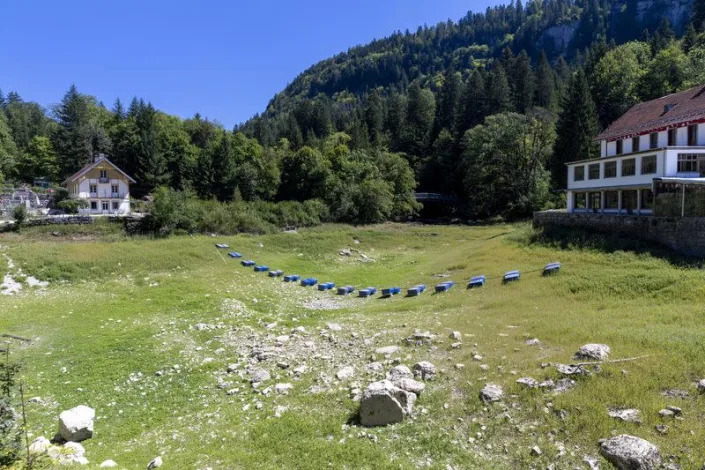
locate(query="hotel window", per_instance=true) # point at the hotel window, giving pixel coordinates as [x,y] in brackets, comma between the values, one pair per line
[116,205]
[629,167]
[578,173]
[611,200]
[653,140]
[687,163]
[104,205]
[610,169]
[635,144]
[594,201]
[93,188]
[693,135]
[647,199]
[672,137]
[594,171]
[94,205]
[579,201]
[648,164]
[629,200]
[620,146]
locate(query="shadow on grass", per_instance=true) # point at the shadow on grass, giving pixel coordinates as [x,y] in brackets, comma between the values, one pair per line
[564,238]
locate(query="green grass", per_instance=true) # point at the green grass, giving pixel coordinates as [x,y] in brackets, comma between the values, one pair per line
[118,306]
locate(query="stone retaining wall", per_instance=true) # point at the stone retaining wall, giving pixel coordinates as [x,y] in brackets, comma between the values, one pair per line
[685,235]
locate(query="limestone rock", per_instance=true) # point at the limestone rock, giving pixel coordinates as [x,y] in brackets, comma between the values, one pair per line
[528,382]
[400,372]
[383,403]
[566,369]
[76,424]
[345,373]
[593,351]
[631,453]
[387,350]
[425,370]
[456,335]
[259,376]
[701,386]
[69,454]
[491,393]
[39,445]
[108,464]
[155,463]
[283,388]
[628,415]
[410,385]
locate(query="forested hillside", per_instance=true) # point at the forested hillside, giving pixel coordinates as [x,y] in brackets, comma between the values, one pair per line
[488,109]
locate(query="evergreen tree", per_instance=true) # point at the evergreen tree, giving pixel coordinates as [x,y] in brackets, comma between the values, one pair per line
[474,102]
[499,95]
[448,102]
[545,83]
[698,15]
[576,128]
[119,110]
[418,123]
[690,38]
[152,169]
[374,117]
[524,83]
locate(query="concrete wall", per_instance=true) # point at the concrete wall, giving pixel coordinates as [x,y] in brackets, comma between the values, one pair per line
[684,235]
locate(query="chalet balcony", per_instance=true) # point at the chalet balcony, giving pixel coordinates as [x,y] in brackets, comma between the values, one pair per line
[107,195]
[104,180]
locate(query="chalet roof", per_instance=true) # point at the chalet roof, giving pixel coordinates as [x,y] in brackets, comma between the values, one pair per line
[92,165]
[659,114]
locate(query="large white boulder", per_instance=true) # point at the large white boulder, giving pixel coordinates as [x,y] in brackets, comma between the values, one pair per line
[593,351]
[631,453]
[491,393]
[76,424]
[384,403]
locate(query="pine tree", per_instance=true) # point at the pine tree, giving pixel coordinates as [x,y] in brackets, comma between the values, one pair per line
[545,83]
[698,15]
[524,83]
[152,166]
[576,128]
[374,117]
[118,110]
[690,38]
[418,123]
[499,95]
[448,102]
[474,103]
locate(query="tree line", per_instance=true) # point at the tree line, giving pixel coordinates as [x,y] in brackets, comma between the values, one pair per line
[495,131]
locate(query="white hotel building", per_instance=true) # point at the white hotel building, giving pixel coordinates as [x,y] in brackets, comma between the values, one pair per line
[656,145]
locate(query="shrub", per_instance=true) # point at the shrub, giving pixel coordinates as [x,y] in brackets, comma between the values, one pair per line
[19,214]
[71,206]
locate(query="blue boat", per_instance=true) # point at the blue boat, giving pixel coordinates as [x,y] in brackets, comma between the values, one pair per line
[444,286]
[292,278]
[390,291]
[345,290]
[261,269]
[551,268]
[367,292]
[221,245]
[477,281]
[247,263]
[235,254]
[309,281]
[416,290]
[511,276]
[276,273]
[326,286]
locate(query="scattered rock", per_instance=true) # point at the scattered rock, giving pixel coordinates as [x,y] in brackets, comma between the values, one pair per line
[456,335]
[666,413]
[533,342]
[39,445]
[68,454]
[701,386]
[387,350]
[345,373]
[675,409]
[676,393]
[410,385]
[76,424]
[457,345]
[383,403]
[661,429]
[491,393]
[334,327]
[283,388]
[421,338]
[547,385]
[259,376]
[566,369]
[592,462]
[563,385]
[155,463]
[425,370]
[536,451]
[593,351]
[631,453]
[108,464]
[628,415]
[528,382]
[400,372]
[374,367]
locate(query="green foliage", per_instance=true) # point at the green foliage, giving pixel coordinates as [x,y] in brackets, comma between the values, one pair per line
[10,430]
[38,160]
[19,215]
[72,206]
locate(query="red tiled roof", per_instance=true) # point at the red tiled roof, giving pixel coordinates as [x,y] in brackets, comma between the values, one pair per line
[668,111]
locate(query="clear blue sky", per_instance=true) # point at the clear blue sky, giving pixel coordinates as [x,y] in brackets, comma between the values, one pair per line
[222,58]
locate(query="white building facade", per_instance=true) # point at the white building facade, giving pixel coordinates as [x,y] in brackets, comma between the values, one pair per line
[661,140]
[104,186]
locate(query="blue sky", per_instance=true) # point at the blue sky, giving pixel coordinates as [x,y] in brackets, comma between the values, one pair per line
[224,59]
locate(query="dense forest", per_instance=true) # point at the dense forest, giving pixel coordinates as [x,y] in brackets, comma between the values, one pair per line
[487,109]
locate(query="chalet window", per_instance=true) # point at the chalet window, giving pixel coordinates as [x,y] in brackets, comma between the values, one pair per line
[594,171]
[635,144]
[620,146]
[653,140]
[595,201]
[114,188]
[648,164]
[693,135]
[578,173]
[687,162]
[610,169]
[647,199]
[611,200]
[672,137]
[94,205]
[629,167]
[103,174]
[116,205]
[104,205]
[93,188]
[579,201]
